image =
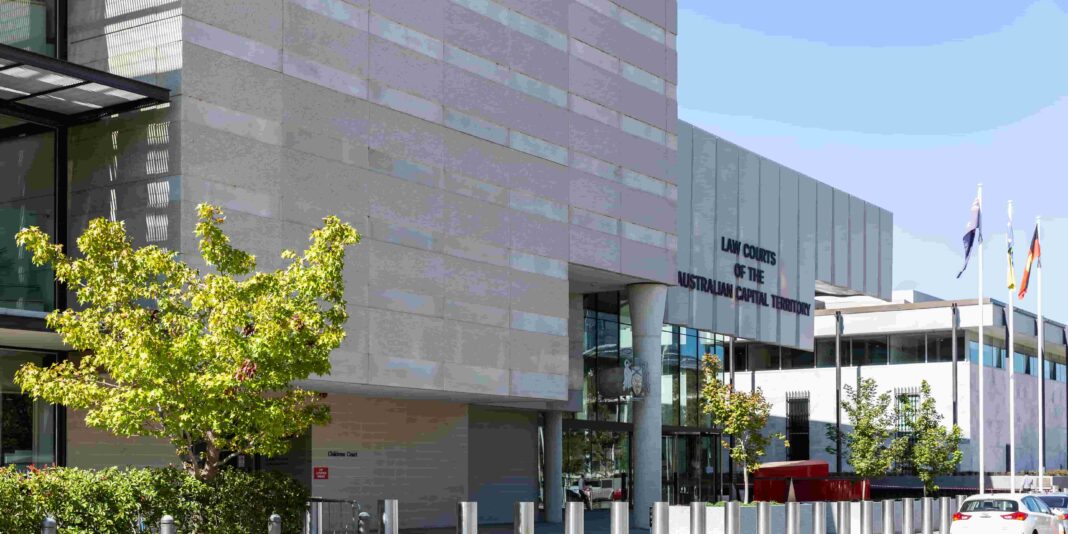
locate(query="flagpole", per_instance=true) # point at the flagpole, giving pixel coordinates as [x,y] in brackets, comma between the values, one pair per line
[1012,360]
[982,320]
[1041,368]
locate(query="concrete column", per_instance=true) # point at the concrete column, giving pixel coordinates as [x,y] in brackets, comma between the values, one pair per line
[647,317]
[554,467]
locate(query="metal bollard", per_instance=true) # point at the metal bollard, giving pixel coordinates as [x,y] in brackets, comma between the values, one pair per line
[908,520]
[734,518]
[945,514]
[49,526]
[927,515]
[697,517]
[658,518]
[763,517]
[843,522]
[274,524]
[867,521]
[363,523]
[524,518]
[467,518]
[888,517]
[573,521]
[819,518]
[389,521]
[793,518]
[620,516]
[166,525]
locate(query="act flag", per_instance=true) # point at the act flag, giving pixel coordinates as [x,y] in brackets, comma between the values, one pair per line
[973,233]
[1012,269]
[1034,254]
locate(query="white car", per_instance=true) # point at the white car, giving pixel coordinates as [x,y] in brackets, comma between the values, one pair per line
[1003,513]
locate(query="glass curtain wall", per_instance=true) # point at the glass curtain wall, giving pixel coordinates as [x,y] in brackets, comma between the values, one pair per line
[27,198]
[27,427]
[29,24]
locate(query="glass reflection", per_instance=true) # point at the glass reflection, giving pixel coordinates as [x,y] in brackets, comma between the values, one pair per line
[29,24]
[27,198]
[27,427]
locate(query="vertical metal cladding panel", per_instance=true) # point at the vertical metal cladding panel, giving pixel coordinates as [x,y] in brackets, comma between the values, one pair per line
[726,225]
[679,307]
[871,248]
[749,223]
[807,253]
[841,238]
[856,242]
[787,265]
[886,254]
[770,173]
[824,209]
[703,230]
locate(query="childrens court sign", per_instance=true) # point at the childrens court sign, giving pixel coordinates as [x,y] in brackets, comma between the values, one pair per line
[742,272]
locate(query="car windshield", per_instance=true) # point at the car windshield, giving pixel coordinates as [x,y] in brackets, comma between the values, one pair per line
[1055,502]
[990,505]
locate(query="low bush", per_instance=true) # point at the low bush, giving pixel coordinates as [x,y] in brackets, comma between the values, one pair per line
[125,501]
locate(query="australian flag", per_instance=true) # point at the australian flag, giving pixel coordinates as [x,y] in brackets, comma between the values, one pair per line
[973,234]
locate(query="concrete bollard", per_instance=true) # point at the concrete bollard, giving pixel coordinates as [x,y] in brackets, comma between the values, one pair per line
[524,518]
[389,521]
[49,526]
[763,517]
[945,514]
[843,523]
[167,526]
[697,517]
[888,517]
[927,515]
[734,518]
[793,518]
[658,523]
[467,518]
[620,516]
[908,519]
[573,519]
[819,518]
[274,524]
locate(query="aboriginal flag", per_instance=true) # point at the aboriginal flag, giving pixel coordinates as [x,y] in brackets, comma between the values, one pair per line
[1034,254]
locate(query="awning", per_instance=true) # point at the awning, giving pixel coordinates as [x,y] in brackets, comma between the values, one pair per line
[55,92]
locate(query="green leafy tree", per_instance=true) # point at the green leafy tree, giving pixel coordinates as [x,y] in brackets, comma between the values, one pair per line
[206,361]
[871,446]
[935,449]
[740,415]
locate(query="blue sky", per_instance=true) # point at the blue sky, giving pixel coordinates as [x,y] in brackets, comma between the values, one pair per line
[907,104]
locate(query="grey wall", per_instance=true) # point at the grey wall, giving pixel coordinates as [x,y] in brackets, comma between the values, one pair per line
[816,232]
[502,459]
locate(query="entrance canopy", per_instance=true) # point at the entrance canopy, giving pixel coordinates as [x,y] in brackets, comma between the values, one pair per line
[57,93]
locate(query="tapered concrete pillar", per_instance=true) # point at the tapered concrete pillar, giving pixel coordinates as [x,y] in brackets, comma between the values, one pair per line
[647,319]
[554,467]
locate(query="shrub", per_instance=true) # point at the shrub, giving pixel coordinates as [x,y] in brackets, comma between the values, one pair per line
[119,501]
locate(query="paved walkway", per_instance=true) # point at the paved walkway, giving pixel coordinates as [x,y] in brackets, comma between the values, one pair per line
[597,522]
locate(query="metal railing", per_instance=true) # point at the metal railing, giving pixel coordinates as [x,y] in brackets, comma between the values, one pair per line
[333,516]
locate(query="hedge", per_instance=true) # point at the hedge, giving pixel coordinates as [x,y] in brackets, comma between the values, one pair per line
[114,501]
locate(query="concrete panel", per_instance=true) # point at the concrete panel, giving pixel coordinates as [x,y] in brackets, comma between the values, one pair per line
[497,481]
[886,253]
[771,227]
[727,214]
[824,232]
[808,251]
[872,218]
[857,248]
[788,257]
[753,216]
[841,238]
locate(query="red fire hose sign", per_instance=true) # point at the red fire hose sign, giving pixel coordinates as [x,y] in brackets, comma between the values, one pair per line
[321,473]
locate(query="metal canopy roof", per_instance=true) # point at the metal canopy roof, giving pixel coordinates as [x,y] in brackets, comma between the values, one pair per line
[59,93]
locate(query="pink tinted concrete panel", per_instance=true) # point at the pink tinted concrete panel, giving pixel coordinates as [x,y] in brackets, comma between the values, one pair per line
[598,140]
[406,136]
[404,69]
[468,217]
[654,12]
[550,12]
[609,35]
[595,194]
[649,210]
[537,59]
[539,235]
[500,165]
[596,249]
[647,261]
[595,84]
[427,16]
[641,155]
[504,106]
[643,104]
[475,33]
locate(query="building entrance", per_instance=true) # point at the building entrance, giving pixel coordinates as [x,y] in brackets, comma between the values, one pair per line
[691,467]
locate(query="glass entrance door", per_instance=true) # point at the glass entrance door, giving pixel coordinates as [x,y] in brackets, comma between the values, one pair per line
[690,467]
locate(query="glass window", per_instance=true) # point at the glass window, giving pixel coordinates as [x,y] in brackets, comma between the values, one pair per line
[940,346]
[869,351]
[27,427]
[689,403]
[741,358]
[27,198]
[797,359]
[990,505]
[825,352]
[993,356]
[626,353]
[29,24]
[763,357]
[669,378]
[1061,372]
[907,348]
